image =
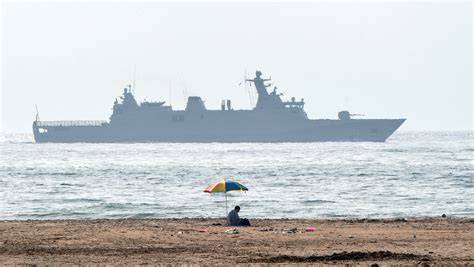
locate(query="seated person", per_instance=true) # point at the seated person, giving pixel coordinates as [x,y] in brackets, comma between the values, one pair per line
[233,218]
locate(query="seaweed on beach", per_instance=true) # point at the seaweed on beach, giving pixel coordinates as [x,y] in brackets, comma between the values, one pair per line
[345,256]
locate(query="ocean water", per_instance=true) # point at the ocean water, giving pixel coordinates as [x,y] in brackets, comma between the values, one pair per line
[413,174]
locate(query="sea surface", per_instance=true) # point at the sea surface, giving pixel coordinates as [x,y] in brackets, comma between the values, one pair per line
[413,174]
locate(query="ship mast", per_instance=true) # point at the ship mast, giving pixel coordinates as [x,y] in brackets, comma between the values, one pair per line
[134,72]
[37,113]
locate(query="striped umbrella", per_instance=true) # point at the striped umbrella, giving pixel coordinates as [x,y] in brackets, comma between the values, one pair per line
[224,186]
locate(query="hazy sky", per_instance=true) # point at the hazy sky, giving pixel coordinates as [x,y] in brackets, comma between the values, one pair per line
[384,60]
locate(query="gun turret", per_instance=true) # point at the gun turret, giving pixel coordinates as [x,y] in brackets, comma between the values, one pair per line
[346,115]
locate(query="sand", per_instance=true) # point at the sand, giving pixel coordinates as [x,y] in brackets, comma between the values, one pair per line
[204,241]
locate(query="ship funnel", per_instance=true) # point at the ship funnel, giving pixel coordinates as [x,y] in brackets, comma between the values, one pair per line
[195,103]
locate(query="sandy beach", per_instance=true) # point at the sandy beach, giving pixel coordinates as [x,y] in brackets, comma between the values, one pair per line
[204,241]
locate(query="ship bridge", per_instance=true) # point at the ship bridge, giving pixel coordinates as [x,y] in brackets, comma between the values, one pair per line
[128,105]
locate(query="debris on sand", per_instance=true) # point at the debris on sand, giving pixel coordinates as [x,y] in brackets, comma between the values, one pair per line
[231,231]
[289,231]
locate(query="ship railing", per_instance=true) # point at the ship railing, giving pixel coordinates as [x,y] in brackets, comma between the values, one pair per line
[69,123]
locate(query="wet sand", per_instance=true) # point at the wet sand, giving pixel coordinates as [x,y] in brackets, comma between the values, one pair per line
[204,241]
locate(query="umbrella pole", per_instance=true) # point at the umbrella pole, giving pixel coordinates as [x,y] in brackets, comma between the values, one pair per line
[225,204]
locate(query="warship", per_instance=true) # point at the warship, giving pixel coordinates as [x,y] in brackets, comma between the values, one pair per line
[271,120]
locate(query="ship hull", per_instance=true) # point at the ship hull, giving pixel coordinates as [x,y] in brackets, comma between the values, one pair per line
[354,130]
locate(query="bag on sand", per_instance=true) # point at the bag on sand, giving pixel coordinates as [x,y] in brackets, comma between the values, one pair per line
[244,222]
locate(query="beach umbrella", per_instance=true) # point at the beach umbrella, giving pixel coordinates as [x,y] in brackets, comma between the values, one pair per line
[224,186]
